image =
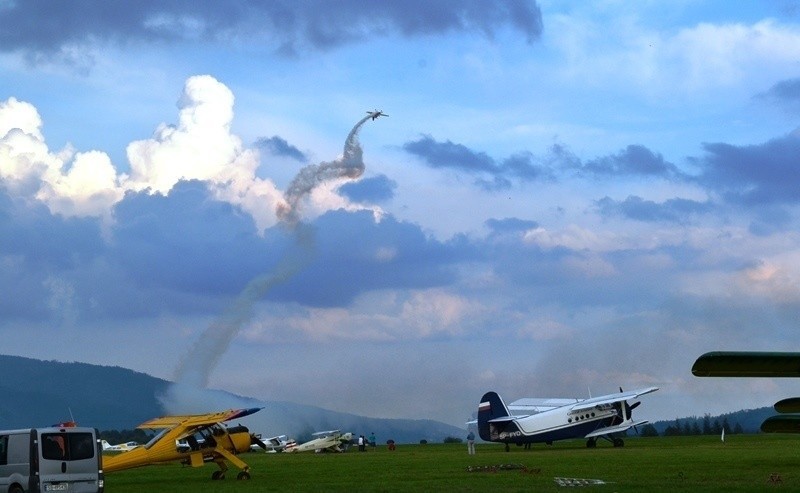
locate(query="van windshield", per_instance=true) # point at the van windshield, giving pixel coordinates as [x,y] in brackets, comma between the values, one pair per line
[67,446]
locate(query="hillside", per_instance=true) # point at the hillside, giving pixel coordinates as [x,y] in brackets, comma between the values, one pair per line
[40,393]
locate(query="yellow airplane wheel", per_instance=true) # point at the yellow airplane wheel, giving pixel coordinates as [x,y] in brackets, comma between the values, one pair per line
[243,475]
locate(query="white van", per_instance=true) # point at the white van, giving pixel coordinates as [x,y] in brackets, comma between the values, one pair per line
[40,460]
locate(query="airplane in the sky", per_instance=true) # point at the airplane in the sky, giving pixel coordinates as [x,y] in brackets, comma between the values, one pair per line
[549,420]
[328,441]
[208,439]
[120,447]
[278,443]
[375,114]
[758,364]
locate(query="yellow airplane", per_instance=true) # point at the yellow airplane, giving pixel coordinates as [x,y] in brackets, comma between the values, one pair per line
[192,439]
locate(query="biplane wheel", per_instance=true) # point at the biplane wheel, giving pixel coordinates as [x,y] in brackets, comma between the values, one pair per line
[618,442]
[217,475]
[243,475]
[591,443]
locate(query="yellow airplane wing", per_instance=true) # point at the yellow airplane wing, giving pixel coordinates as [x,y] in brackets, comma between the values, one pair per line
[195,420]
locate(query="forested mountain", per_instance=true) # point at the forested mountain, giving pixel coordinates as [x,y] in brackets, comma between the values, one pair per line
[35,393]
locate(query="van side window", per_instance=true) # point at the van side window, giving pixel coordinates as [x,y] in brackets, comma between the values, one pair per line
[3,450]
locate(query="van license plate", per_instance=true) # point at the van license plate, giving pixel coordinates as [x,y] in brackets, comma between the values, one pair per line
[56,487]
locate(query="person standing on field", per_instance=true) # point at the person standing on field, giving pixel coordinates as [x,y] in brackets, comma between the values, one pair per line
[471,443]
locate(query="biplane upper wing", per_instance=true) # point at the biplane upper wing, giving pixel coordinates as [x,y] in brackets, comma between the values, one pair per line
[747,364]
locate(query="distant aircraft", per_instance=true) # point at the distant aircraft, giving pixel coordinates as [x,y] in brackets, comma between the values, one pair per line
[275,444]
[121,447]
[328,441]
[549,420]
[757,364]
[208,440]
[375,114]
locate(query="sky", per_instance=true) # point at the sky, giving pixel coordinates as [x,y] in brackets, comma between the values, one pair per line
[565,198]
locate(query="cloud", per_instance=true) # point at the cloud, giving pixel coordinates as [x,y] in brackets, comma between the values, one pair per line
[82,184]
[510,225]
[448,155]
[634,160]
[351,258]
[370,190]
[279,147]
[784,94]
[673,210]
[752,175]
[45,31]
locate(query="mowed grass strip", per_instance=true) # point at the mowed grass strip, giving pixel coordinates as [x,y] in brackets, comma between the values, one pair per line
[699,463]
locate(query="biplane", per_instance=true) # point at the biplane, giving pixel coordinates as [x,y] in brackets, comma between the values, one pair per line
[326,441]
[532,420]
[207,437]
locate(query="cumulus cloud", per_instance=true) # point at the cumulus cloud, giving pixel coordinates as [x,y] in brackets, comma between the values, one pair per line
[82,184]
[202,147]
[199,147]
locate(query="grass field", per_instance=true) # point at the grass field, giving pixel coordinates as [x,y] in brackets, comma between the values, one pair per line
[699,463]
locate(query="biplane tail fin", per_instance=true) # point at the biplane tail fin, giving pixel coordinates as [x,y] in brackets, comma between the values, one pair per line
[493,416]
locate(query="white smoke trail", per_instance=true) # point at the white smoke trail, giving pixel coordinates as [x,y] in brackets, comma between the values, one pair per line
[349,165]
[195,368]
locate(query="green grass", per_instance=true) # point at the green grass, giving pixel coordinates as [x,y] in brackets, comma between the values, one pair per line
[701,463]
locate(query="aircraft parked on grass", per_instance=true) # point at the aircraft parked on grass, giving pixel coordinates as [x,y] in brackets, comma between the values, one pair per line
[275,444]
[549,420]
[328,441]
[208,440]
[757,364]
[120,447]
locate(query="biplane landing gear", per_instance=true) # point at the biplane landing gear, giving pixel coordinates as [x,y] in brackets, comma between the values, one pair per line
[591,443]
[618,442]
[244,475]
[218,475]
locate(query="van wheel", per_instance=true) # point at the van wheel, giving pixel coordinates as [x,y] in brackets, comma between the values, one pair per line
[15,488]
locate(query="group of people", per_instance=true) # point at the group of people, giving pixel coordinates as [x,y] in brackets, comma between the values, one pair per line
[363,442]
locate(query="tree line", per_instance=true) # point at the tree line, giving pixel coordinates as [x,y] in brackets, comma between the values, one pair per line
[694,426]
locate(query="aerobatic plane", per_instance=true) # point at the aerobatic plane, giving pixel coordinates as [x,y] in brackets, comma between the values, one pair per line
[194,440]
[758,364]
[375,114]
[549,420]
[327,441]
